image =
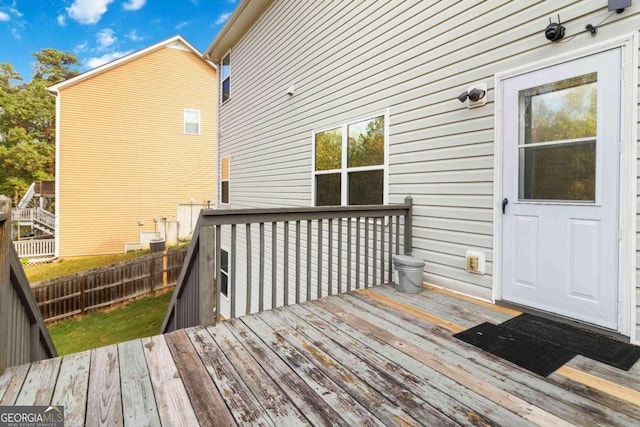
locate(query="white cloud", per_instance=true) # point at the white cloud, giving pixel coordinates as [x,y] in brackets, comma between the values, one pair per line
[16,34]
[134,4]
[4,17]
[107,57]
[82,47]
[222,18]
[179,25]
[62,21]
[105,38]
[133,36]
[88,11]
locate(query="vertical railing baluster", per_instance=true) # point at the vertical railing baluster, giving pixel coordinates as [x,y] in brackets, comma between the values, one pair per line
[297,262]
[382,249]
[366,252]
[232,286]
[249,272]
[340,255]
[309,260]
[375,251]
[357,253]
[349,254]
[261,273]
[397,235]
[286,263]
[330,259]
[319,258]
[217,269]
[274,266]
[390,250]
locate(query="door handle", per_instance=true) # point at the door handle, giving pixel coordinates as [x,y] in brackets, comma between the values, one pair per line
[505,202]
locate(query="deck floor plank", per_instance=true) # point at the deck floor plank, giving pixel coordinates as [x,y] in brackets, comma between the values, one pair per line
[272,395]
[606,372]
[465,317]
[203,394]
[104,404]
[244,406]
[371,357]
[11,383]
[584,389]
[349,408]
[380,385]
[531,387]
[478,398]
[138,402]
[72,387]
[40,383]
[172,399]
[312,406]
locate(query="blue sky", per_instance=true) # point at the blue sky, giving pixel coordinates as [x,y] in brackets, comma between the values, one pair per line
[99,31]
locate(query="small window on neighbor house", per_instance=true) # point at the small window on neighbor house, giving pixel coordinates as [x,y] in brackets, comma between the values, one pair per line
[224,180]
[191,122]
[350,164]
[226,77]
[224,271]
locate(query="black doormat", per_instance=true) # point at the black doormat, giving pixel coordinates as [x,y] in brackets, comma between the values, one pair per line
[528,352]
[542,345]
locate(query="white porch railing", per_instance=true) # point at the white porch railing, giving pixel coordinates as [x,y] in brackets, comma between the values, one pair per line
[45,218]
[36,216]
[35,248]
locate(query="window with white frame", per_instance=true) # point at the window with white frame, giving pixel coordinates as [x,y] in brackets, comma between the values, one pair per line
[224,271]
[226,77]
[191,122]
[350,163]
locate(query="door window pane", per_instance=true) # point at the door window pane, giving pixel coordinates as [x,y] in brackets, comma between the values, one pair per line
[559,172]
[328,188]
[562,110]
[366,143]
[366,188]
[328,146]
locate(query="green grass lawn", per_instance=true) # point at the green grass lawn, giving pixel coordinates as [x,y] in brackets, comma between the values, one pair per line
[138,319]
[62,267]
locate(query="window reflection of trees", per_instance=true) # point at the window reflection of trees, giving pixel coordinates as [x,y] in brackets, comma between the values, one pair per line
[566,112]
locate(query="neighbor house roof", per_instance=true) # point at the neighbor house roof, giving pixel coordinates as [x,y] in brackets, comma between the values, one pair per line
[175,41]
[238,23]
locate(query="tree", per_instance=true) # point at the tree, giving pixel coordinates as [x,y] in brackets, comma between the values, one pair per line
[54,66]
[27,121]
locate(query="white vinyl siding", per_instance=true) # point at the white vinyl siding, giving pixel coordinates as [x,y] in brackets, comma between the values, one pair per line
[191,122]
[412,59]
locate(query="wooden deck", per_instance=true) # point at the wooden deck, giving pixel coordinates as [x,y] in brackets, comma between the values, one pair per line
[373,357]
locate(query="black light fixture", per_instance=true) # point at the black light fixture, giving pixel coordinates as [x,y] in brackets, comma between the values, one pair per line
[474,95]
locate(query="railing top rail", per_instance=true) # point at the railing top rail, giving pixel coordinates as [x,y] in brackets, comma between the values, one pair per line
[242,216]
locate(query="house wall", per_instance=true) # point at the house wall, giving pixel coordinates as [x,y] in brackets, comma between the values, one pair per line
[349,60]
[123,155]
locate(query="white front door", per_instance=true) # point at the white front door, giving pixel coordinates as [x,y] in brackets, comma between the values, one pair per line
[561,133]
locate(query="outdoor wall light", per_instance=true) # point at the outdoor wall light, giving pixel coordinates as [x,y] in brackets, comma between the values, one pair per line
[476,94]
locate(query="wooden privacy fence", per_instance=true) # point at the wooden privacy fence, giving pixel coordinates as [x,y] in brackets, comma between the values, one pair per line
[273,257]
[100,288]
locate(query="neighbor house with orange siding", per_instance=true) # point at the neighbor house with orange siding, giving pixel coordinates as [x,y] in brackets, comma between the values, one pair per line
[135,145]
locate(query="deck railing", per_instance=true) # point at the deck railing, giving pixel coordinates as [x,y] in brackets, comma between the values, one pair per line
[266,258]
[23,335]
[45,188]
[35,248]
